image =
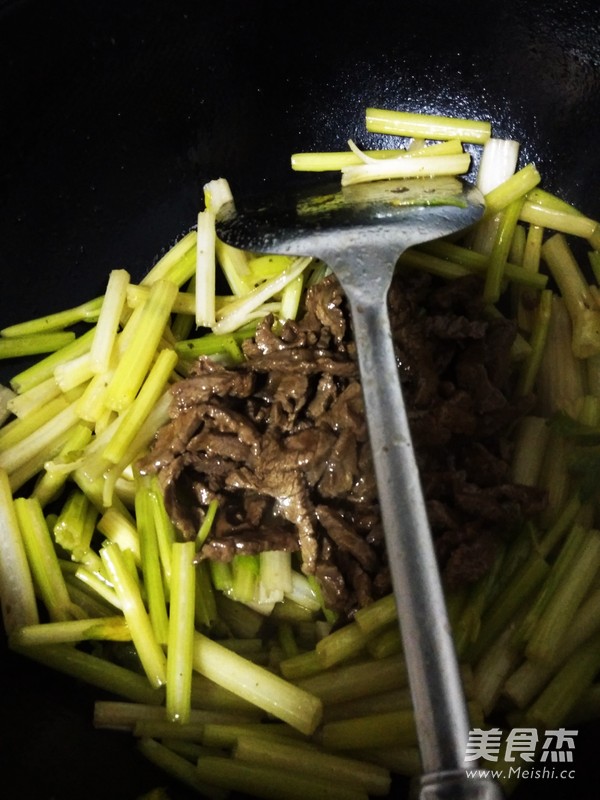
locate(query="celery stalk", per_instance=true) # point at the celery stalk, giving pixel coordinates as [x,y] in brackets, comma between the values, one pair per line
[184,303]
[151,569]
[560,379]
[205,270]
[268,782]
[22,404]
[124,716]
[300,666]
[477,263]
[74,373]
[494,667]
[34,344]
[338,769]
[386,643]
[40,440]
[335,161]
[377,615]
[553,705]
[426,126]
[270,692]
[245,571]
[168,265]
[499,255]
[49,633]
[205,603]
[513,188]
[561,567]
[75,525]
[43,560]
[108,322]
[99,585]
[225,735]
[342,644]
[583,310]
[530,448]
[498,162]
[539,336]
[6,397]
[44,369]
[388,729]
[134,416]
[359,679]
[560,610]
[181,632]
[529,679]
[135,362]
[165,531]
[17,595]
[418,166]
[291,297]
[180,768]
[235,314]
[18,429]
[151,656]
[323,162]
[558,220]
[233,261]
[212,344]
[119,529]
[95,671]
[275,578]
[86,312]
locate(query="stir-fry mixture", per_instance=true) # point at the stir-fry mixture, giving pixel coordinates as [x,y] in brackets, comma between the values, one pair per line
[188,511]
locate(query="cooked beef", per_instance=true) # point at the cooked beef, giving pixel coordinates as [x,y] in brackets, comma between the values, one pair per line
[281,440]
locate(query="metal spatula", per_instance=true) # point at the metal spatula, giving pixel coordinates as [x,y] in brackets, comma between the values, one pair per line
[360,231]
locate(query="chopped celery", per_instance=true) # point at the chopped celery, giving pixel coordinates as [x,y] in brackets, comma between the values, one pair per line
[86,312]
[17,594]
[34,343]
[293,705]
[181,633]
[205,271]
[155,598]
[151,656]
[15,431]
[169,267]
[321,162]
[234,315]
[95,671]
[104,628]
[498,162]
[135,361]
[423,166]
[513,188]
[580,303]
[372,779]
[135,415]
[180,768]
[108,322]
[43,560]
[426,126]
[44,369]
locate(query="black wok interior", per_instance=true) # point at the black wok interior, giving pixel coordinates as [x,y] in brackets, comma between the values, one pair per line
[114,113]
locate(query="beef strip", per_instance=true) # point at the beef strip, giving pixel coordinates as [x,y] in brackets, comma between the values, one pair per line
[281,440]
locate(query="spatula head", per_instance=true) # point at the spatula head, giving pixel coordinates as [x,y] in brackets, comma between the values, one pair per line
[315,220]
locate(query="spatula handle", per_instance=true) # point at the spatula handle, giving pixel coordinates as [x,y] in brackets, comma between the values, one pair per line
[436,687]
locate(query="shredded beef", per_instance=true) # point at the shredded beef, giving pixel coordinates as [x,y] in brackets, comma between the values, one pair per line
[281,440]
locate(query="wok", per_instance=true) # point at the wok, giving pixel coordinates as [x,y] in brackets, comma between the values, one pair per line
[115,114]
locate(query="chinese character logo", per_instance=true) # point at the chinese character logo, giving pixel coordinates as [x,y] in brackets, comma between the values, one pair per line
[487,743]
[558,745]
